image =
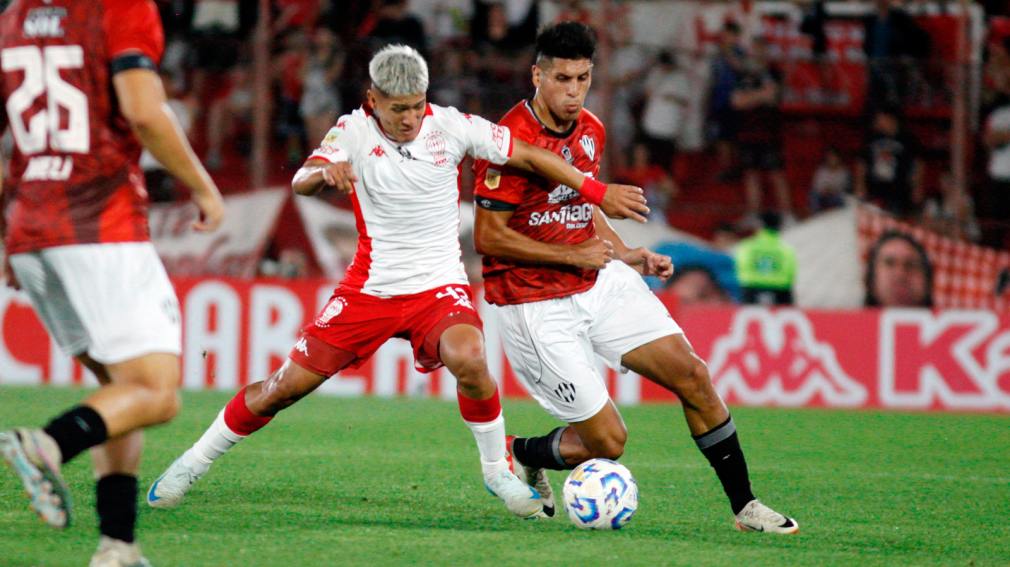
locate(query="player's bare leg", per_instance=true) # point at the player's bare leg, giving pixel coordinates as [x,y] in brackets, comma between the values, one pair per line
[116,463]
[672,363]
[251,409]
[134,394]
[461,349]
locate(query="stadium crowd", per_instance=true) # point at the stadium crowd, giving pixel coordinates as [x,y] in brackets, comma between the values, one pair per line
[893,153]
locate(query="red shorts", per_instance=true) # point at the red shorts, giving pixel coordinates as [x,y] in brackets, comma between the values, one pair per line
[356,323]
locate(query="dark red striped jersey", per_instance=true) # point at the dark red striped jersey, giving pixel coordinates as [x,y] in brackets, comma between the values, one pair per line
[543,210]
[73,177]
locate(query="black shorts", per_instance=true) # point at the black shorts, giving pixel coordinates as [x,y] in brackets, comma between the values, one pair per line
[761,156]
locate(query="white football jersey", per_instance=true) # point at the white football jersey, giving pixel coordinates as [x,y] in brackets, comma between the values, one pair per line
[406,199]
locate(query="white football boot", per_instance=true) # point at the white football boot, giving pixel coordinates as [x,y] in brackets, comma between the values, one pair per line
[36,458]
[520,498]
[117,553]
[537,478]
[756,517]
[173,484]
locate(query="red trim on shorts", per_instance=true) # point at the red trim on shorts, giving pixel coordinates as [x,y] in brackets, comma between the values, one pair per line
[240,419]
[321,357]
[427,356]
[479,411]
[357,272]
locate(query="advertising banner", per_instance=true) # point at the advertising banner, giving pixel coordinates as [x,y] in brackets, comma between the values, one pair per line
[237,331]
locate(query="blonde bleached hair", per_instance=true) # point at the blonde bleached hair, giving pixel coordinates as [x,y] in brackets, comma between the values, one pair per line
[399,70]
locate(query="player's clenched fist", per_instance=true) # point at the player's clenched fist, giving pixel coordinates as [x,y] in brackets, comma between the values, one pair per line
[211,207]
[624,202]
[339,176]
[319,173]
[591,254]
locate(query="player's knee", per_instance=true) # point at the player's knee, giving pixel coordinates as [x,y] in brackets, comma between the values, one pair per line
[167,404]
[696,387]
[466,362]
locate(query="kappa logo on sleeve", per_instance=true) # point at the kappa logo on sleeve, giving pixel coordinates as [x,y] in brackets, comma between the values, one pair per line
[492,178]
[589,146]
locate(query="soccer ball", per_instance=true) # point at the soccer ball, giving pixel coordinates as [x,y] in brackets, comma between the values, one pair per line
[600,494]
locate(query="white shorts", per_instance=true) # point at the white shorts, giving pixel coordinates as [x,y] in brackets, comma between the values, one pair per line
[113,301]
[551,343]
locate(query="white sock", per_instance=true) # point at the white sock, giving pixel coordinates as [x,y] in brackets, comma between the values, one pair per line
[490,437]
[212,444]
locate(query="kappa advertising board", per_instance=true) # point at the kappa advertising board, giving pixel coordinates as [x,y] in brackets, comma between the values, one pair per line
[237,330]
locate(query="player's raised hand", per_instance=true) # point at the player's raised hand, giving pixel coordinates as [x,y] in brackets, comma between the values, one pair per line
[649,263]
[592,254]
[339,176]
[211,207]
[624,202]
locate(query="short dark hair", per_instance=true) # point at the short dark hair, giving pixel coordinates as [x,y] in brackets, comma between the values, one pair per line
[772,220]
[871,299]
[566,40]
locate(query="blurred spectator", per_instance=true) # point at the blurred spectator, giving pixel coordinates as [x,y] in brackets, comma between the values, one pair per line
[726,67]
[660,188]
[898,273]
[766,264]
[893,41]
[718,263]
[756,100]
[831,183]
[666,92]
[952,213]
[628,65]
[890,172]
[299,15]
[504,55]
[230,115]
[725,237]
[320,104]
[217,31]
[696,285]
[996,136]
[574,11]
[452,83]
[160,185]
[289,70]
[391,22]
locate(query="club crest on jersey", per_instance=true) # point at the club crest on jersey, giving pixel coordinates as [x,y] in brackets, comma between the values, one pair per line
[333,309]
[566,153]
[434,142]
[492,178]
[589,146]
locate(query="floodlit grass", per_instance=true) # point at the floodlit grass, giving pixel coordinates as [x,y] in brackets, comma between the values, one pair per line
[396,482]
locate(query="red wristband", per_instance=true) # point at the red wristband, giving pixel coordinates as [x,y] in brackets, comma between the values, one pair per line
[593,190]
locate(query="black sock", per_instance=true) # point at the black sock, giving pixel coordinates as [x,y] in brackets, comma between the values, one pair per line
[117,506]
[721,447]
[79,429]
[541,452]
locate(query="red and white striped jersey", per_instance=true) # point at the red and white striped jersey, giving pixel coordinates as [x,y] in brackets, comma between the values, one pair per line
[406,199]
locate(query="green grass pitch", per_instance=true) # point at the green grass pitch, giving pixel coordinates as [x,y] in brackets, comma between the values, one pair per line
[396,482]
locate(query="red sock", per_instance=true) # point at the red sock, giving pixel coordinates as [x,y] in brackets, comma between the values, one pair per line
[479,411]
[240,419]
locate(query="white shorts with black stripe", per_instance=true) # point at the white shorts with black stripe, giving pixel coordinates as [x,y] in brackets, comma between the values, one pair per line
[113,301]
[552,344]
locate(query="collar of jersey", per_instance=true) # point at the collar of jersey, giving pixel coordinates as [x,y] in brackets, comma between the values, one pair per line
[550,132]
